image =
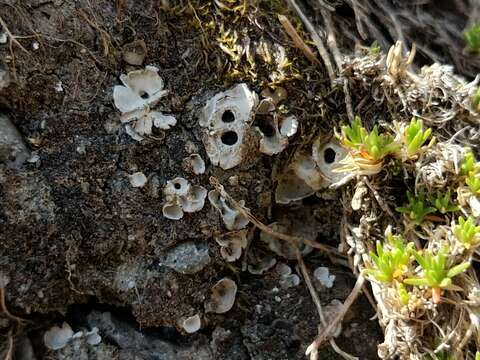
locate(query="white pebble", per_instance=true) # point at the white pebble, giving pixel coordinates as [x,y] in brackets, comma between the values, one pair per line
[137,179]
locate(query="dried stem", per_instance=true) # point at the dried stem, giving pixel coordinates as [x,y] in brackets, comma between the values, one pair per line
[316,40]
[4,309]
[357,289]
[297,40]
[318,304]
[11,36]
[294,240]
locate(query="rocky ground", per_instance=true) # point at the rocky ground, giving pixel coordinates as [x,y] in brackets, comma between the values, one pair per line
[80,244]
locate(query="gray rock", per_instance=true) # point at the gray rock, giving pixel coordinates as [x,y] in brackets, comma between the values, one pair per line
[13,150]
[187,258]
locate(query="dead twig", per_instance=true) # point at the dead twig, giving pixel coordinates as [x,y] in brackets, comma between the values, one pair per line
[311,288]
[316,40]
[318,304]
[11,36]
[297,40]
[4,309]
[346,305]
[383,205]
[294,240]
[9,354]
[337,56]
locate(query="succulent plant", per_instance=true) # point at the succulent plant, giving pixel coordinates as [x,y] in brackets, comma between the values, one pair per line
[390,263]
[436,273]
[466,232]
[415,136]
[469,166]
[472,38]
[417,208]
[443,202]
[371,145]
[473,182]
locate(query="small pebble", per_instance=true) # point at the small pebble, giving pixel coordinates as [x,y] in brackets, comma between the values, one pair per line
[137,179]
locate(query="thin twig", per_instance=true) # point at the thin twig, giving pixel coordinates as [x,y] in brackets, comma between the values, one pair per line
[331,39]
[296,38]
[379,199]
[369,297]
[4,309]
[11,36]
[337,56]
[318,304]
[9,354]
[311,288]
[294,240]
[316,40]
[346,305]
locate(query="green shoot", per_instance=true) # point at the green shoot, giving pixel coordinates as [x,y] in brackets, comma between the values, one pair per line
[476,100]
[477,355]
[374,48]
[415,136]
[442,203]
[472,39]
[403,294]
[371,145]
[466,232]
[436,274]
[379,145]
[442,355]
[390,264]
[469,166]
[416,208]
[354,134]
[473,183]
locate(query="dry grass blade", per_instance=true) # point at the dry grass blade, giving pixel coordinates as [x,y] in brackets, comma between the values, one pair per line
[316,39]
[297,40]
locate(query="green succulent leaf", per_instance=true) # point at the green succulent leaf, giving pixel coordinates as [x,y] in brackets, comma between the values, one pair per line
[473,182]
[390,262]
[454,271]
[469,166]
[436,273]
[472,38]
[415,136]
[417,208]
[416,281]
[476,100]
[374,144]
[467,232]
[353,134]
[443,202]
[403,294]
